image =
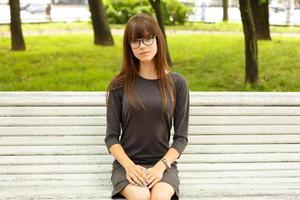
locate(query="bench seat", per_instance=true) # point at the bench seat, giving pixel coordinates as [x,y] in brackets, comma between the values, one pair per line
[242,146]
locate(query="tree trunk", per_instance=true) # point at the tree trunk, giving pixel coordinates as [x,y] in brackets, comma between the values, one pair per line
[157,9]
[250,43]
[17,40]
[225,10]
[102,33]
[260,13]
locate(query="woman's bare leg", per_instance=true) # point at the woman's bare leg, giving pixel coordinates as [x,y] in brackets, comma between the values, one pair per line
[132,192]
[162,191]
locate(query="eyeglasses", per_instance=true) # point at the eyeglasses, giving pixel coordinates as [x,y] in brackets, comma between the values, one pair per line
[147,41]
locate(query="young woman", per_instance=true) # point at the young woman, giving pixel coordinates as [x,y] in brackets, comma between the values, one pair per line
[144,99]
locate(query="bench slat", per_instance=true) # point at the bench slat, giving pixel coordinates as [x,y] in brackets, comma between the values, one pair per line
[203,169]
[207,191]
[194,120]
[39,179]
[190,149]
[194,111]
[193,130]
[186,158]
[197,98]
[202,186]
[193,139]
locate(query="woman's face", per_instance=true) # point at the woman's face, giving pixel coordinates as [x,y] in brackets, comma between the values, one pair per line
[145,48]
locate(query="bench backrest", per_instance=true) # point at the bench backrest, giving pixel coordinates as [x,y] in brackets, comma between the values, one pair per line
[241,144]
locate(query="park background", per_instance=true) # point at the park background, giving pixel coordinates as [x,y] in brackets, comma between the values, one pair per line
[60,51]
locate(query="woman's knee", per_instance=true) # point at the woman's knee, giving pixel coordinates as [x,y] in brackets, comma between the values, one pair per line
[162,191]
[160,195]
[132,192]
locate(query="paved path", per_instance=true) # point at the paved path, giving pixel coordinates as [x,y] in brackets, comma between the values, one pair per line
[120,32]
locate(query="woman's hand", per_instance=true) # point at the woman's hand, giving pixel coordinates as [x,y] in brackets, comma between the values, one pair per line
[136,175]
[155,174]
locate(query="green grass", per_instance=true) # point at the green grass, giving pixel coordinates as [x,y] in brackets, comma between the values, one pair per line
[230,27]
[220,26]
[210,63]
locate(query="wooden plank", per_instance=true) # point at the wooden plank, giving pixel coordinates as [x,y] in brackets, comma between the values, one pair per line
[240,120]
[53,121]
[53,111]
[193,139]
[194,111]
[246,98]
[244,139]
[249,148]
[241,158]
[62,170]
[190,149]
[193,130]
[51,140]
[194,120]
[52,101]
[197,98]
[185,158]
[243,110]
[203,186]
[53,150]
[227,186]
[185,169]
[53,130]
[194,191]
[244,129]
[40,179]
[240,174]
[17,94]
[188,196]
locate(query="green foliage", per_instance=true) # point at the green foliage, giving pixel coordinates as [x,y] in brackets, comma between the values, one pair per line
[119,11]
[175,13]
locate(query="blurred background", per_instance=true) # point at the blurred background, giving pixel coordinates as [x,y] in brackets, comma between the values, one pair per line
[281,12]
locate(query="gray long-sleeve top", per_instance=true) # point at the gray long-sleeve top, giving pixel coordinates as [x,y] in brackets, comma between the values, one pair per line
[145,135]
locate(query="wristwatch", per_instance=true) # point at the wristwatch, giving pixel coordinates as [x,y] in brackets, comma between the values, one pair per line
[166,162]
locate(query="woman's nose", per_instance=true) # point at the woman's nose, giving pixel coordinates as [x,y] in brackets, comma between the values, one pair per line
[142,45]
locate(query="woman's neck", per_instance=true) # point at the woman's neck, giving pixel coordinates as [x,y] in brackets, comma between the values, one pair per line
[147,70]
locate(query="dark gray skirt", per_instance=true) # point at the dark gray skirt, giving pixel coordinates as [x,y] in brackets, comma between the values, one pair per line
[119,180]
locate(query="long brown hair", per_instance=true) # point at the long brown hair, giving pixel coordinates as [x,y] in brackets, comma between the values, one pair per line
[136,28]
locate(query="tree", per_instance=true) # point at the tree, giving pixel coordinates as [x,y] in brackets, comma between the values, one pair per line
[102,33]
[260,11]
[17,40]
[225,10]
[157,9]
[250,43]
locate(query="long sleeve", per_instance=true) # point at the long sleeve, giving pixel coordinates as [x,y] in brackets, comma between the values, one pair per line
[181,116]
[113,118]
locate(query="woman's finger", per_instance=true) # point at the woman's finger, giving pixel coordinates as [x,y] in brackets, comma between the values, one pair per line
[142,180]
[130,180]
[153,183]
[150,180]
[136,180]
[148,177]
[141,172]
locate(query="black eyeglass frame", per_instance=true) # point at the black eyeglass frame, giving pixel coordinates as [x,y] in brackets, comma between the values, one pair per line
[142,40]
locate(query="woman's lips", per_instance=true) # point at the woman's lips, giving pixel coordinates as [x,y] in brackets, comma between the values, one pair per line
[143,53]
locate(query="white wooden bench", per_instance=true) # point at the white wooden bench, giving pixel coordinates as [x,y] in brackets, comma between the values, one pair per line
[241,146]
